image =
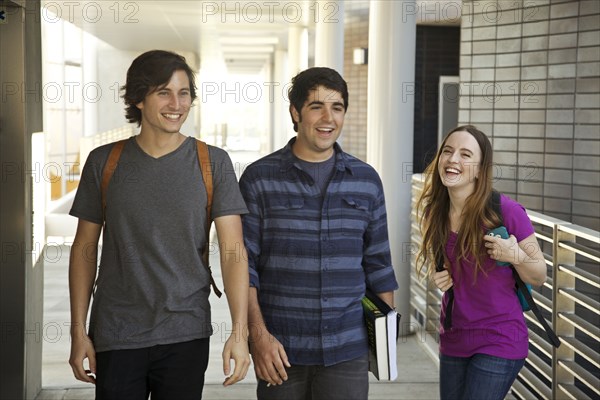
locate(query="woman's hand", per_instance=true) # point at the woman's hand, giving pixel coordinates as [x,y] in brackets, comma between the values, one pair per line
[503,250]
[443,280]
[526,256]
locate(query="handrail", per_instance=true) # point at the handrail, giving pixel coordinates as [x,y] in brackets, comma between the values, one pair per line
[89,143]
[569,300]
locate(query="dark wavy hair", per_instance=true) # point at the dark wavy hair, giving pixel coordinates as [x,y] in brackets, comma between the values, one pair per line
[308,80]
[433,208]
[148,73]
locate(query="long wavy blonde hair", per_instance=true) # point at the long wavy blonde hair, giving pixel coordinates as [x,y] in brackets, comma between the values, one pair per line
[433,210]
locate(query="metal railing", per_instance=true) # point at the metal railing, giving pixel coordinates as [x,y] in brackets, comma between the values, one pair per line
[89,143]
[569,301]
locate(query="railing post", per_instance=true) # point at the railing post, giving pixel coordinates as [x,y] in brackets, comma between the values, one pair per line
[432,297]
[562,305]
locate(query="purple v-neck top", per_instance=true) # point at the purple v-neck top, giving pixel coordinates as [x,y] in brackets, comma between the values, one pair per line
[487,317]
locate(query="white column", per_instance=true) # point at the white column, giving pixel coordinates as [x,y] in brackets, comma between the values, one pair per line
[390,119]
[89,74]
[329,34]
[282,124]
[211,78]
[297,49]
[297,61]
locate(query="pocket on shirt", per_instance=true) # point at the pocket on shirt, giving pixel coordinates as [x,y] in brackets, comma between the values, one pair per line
[283,203]
[358,204]
[355,216]
[282,214]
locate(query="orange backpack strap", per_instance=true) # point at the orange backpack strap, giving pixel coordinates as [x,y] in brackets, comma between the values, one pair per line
[109,170]
[206,169]
[207,177]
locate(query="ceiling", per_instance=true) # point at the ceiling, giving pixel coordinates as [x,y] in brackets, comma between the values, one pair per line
[244,34]
[241,33]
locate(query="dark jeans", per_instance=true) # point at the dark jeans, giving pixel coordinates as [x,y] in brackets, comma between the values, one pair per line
[344,381]
[479,377]
[172,371]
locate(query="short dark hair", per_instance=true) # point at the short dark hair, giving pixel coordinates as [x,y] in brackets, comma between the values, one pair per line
[149,72]
[308,80]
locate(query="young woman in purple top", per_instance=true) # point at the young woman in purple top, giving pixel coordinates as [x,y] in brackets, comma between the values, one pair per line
[485,346]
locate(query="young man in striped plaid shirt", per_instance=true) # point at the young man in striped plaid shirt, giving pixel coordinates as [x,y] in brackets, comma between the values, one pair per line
[316,236]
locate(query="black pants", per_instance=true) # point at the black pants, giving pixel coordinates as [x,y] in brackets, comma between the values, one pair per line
[172,371]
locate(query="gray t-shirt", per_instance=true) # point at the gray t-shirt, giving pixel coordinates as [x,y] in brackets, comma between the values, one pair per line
[321,172]
[152,287]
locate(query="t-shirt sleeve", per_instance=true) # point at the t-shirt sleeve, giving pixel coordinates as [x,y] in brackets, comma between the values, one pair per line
[516,220]
[87,204]
[227,199]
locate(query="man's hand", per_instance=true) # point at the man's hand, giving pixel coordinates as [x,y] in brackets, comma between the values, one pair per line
[82,348]
[82,274]
[269,357]
[235,349]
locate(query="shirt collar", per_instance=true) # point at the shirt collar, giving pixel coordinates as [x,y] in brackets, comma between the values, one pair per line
[288,160]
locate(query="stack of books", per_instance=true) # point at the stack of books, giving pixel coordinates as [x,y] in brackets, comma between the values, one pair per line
[383,324]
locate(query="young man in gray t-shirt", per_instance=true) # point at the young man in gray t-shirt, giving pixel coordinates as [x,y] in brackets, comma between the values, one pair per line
[150,319]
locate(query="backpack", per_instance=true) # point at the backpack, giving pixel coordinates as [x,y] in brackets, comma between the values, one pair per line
[523,290]
[205,168]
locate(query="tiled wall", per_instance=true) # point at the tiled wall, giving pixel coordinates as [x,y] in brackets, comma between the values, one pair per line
[530,78]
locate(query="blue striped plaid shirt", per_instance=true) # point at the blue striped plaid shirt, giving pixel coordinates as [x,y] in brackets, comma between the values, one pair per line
[312,254]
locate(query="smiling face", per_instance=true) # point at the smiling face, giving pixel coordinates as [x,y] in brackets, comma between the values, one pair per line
[459,161]
[320,123]
[165,109]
